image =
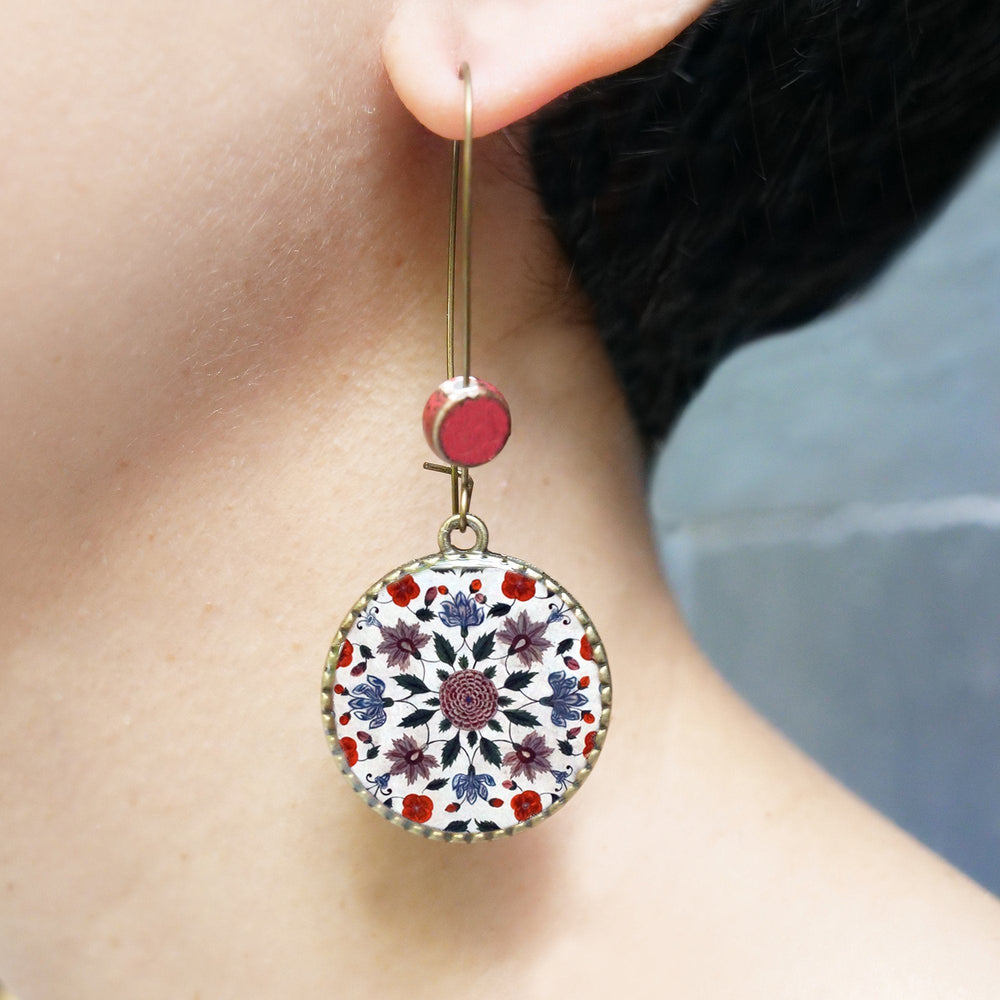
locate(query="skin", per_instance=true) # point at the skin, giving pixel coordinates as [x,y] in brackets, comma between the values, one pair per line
[222,314]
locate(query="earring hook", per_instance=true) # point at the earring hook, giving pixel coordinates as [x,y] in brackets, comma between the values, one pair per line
[461,177]
[461,180]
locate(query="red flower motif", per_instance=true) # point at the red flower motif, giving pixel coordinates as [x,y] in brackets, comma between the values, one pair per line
[339,689]
[451,807]
[476,586]
[418,807]
[496,802]
[588,743]
[345,718]
[585,648]
[350,749]
[517,586]
[584,682]
[588,717]
[346,654]
[525,805]
[403,590]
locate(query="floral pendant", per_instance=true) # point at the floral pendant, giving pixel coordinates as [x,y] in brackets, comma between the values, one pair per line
[466,694]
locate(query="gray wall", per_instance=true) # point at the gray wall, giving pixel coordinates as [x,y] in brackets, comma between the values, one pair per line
[829,517]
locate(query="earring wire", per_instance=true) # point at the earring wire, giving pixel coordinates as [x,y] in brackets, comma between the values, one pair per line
[461,180]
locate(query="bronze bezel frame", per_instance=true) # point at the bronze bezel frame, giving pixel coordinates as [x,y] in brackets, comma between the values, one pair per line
[476,556]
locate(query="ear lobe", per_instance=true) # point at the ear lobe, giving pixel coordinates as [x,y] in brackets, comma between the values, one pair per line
[522,55]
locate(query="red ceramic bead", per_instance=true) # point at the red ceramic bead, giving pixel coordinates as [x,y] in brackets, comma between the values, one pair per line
[466,424]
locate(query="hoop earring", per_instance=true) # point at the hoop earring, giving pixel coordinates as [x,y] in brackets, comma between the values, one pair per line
[466,695]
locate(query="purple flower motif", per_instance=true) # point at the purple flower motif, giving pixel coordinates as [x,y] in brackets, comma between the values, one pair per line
[472,786]
[367,703]
[400,642]
[530,757]
[462,611]
[524,638]
[565,699]
[408,758]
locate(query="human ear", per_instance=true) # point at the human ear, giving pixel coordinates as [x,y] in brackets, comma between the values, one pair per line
[523,53]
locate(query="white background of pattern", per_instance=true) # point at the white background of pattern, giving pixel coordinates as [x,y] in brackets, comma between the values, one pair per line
[538,609]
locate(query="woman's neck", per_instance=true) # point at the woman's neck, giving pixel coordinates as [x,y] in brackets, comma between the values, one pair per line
[171,815]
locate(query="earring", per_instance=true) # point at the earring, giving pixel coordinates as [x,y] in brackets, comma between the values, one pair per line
[466,694]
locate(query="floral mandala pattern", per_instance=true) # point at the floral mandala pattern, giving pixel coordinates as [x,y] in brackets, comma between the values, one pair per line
[466,695]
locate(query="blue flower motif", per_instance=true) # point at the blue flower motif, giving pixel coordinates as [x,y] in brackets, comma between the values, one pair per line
[561,778]
[461,612]
[557,612]
[370,617]
[472,786]
[565,699]
[379,783]
[367,703]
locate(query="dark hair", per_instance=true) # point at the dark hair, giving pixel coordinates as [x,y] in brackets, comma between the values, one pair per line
[754,172]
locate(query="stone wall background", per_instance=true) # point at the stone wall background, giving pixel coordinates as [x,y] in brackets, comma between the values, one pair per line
[829,518]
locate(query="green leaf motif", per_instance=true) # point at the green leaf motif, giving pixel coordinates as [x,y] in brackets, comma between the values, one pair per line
[443,674]
[520,679]
[412,684]
[564,647]
[490,671]
[482,825]
[491,751]
[436,784]
[457,826]
[495,726]
[418,718]
[519,717]
[463,662]
[450,751]
[499,610]
[471,737]
[566,747]
[503,701]
[444,725]
[483,646]
[425,614]
[444,649]
[366,653]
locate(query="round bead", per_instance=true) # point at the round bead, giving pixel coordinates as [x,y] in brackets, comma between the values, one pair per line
[466,424]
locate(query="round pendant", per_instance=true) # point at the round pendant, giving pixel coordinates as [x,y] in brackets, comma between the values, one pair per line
[467,694]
